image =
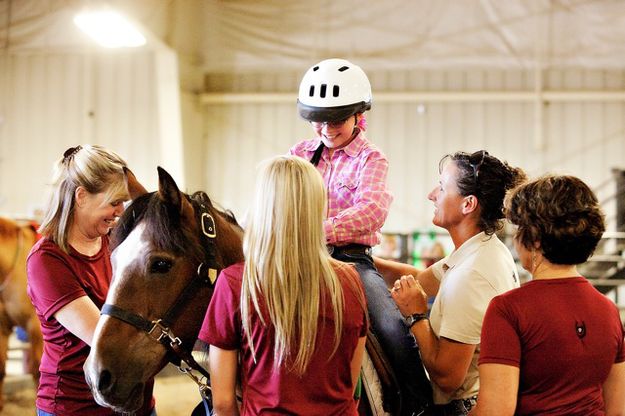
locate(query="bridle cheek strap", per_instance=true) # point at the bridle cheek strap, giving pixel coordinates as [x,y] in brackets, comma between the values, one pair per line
[206,277]
[159,329]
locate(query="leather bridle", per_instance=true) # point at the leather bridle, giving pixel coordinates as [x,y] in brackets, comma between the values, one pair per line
[160,329]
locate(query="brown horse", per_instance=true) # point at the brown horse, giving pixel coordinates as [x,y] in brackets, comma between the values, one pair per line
[15,307]
[168,249]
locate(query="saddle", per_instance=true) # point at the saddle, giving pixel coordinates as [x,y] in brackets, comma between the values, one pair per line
[392,397]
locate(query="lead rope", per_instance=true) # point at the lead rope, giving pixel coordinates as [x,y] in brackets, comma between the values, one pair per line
[203,387]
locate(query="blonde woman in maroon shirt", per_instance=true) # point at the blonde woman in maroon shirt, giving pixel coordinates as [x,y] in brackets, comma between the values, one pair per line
[296,317]
[69,272]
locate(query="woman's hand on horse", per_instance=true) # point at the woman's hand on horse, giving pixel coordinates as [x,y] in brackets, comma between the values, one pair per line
[409,296]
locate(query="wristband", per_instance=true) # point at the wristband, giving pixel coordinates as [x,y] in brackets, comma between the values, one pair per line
[409,321]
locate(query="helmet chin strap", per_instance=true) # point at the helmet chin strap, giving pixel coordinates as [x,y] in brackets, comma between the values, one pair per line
[316,157]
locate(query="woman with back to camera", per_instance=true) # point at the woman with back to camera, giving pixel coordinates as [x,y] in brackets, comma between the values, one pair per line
[468,203]
[297,317]
[69,273]
[555,345]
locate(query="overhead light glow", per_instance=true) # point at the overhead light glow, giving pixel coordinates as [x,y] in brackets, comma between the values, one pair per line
[109,29]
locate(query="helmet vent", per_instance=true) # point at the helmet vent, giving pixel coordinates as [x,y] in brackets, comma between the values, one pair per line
[311,91]
[322,93]
[316,68]
[343,68]
[335,91]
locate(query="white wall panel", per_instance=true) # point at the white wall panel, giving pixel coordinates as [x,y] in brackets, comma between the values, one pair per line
[238,138]
[42,111]
[193,141]
[125,116]
[586,139]
[50,102]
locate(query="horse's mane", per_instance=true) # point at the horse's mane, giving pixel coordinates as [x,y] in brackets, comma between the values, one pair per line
[163,227]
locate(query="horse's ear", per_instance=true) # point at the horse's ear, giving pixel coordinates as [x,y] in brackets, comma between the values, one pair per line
[135,189]
[171,195]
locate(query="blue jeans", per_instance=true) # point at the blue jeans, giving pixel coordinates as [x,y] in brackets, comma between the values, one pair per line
[397,342]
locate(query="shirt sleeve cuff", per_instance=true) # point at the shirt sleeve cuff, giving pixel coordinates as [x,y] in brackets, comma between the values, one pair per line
[437,269]
[328,228]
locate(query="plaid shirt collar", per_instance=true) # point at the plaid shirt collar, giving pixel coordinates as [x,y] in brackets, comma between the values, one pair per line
[352,149]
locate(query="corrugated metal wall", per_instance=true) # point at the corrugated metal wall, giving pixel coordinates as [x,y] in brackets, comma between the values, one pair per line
[49,102]
[584,138]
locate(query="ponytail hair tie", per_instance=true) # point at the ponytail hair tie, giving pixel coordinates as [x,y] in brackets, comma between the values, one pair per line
[69,153]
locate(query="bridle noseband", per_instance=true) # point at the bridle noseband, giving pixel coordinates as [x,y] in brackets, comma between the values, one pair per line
[160,329]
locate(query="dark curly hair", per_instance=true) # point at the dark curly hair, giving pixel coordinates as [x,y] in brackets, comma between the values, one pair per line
[561,213]
[488,179]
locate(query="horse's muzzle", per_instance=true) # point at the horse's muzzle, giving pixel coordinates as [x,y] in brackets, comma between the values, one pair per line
[120,395]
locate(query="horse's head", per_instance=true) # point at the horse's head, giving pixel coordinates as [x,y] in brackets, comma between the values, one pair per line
[167,250]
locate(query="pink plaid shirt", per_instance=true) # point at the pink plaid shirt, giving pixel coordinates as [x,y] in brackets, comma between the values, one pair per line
[358,200]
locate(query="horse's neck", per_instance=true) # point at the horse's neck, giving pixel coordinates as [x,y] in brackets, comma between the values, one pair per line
[231,245]
[6,256]
[12,244]
[29,239]
[13,263]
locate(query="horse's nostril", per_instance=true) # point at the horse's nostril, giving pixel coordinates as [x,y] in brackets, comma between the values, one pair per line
[104,382]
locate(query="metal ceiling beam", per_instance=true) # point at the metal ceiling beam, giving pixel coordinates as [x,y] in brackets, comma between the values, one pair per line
[420,97]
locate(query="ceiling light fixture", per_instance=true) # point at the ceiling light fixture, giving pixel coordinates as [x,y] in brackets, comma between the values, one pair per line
[109,29]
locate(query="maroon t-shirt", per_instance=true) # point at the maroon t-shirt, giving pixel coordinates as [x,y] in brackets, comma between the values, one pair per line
[326,387]
[563,335]
[55,279]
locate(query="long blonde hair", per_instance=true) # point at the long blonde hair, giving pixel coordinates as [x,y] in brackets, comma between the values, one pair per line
[94,168]
[286,261]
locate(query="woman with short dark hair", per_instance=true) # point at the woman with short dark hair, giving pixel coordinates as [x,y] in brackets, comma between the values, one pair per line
[555,345]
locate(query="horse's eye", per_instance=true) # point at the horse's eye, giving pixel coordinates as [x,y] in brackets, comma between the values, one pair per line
[160,266]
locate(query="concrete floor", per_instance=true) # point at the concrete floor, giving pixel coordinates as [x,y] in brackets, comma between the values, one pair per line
[176,394]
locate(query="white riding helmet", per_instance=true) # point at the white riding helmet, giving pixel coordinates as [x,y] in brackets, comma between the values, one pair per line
[333,90]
